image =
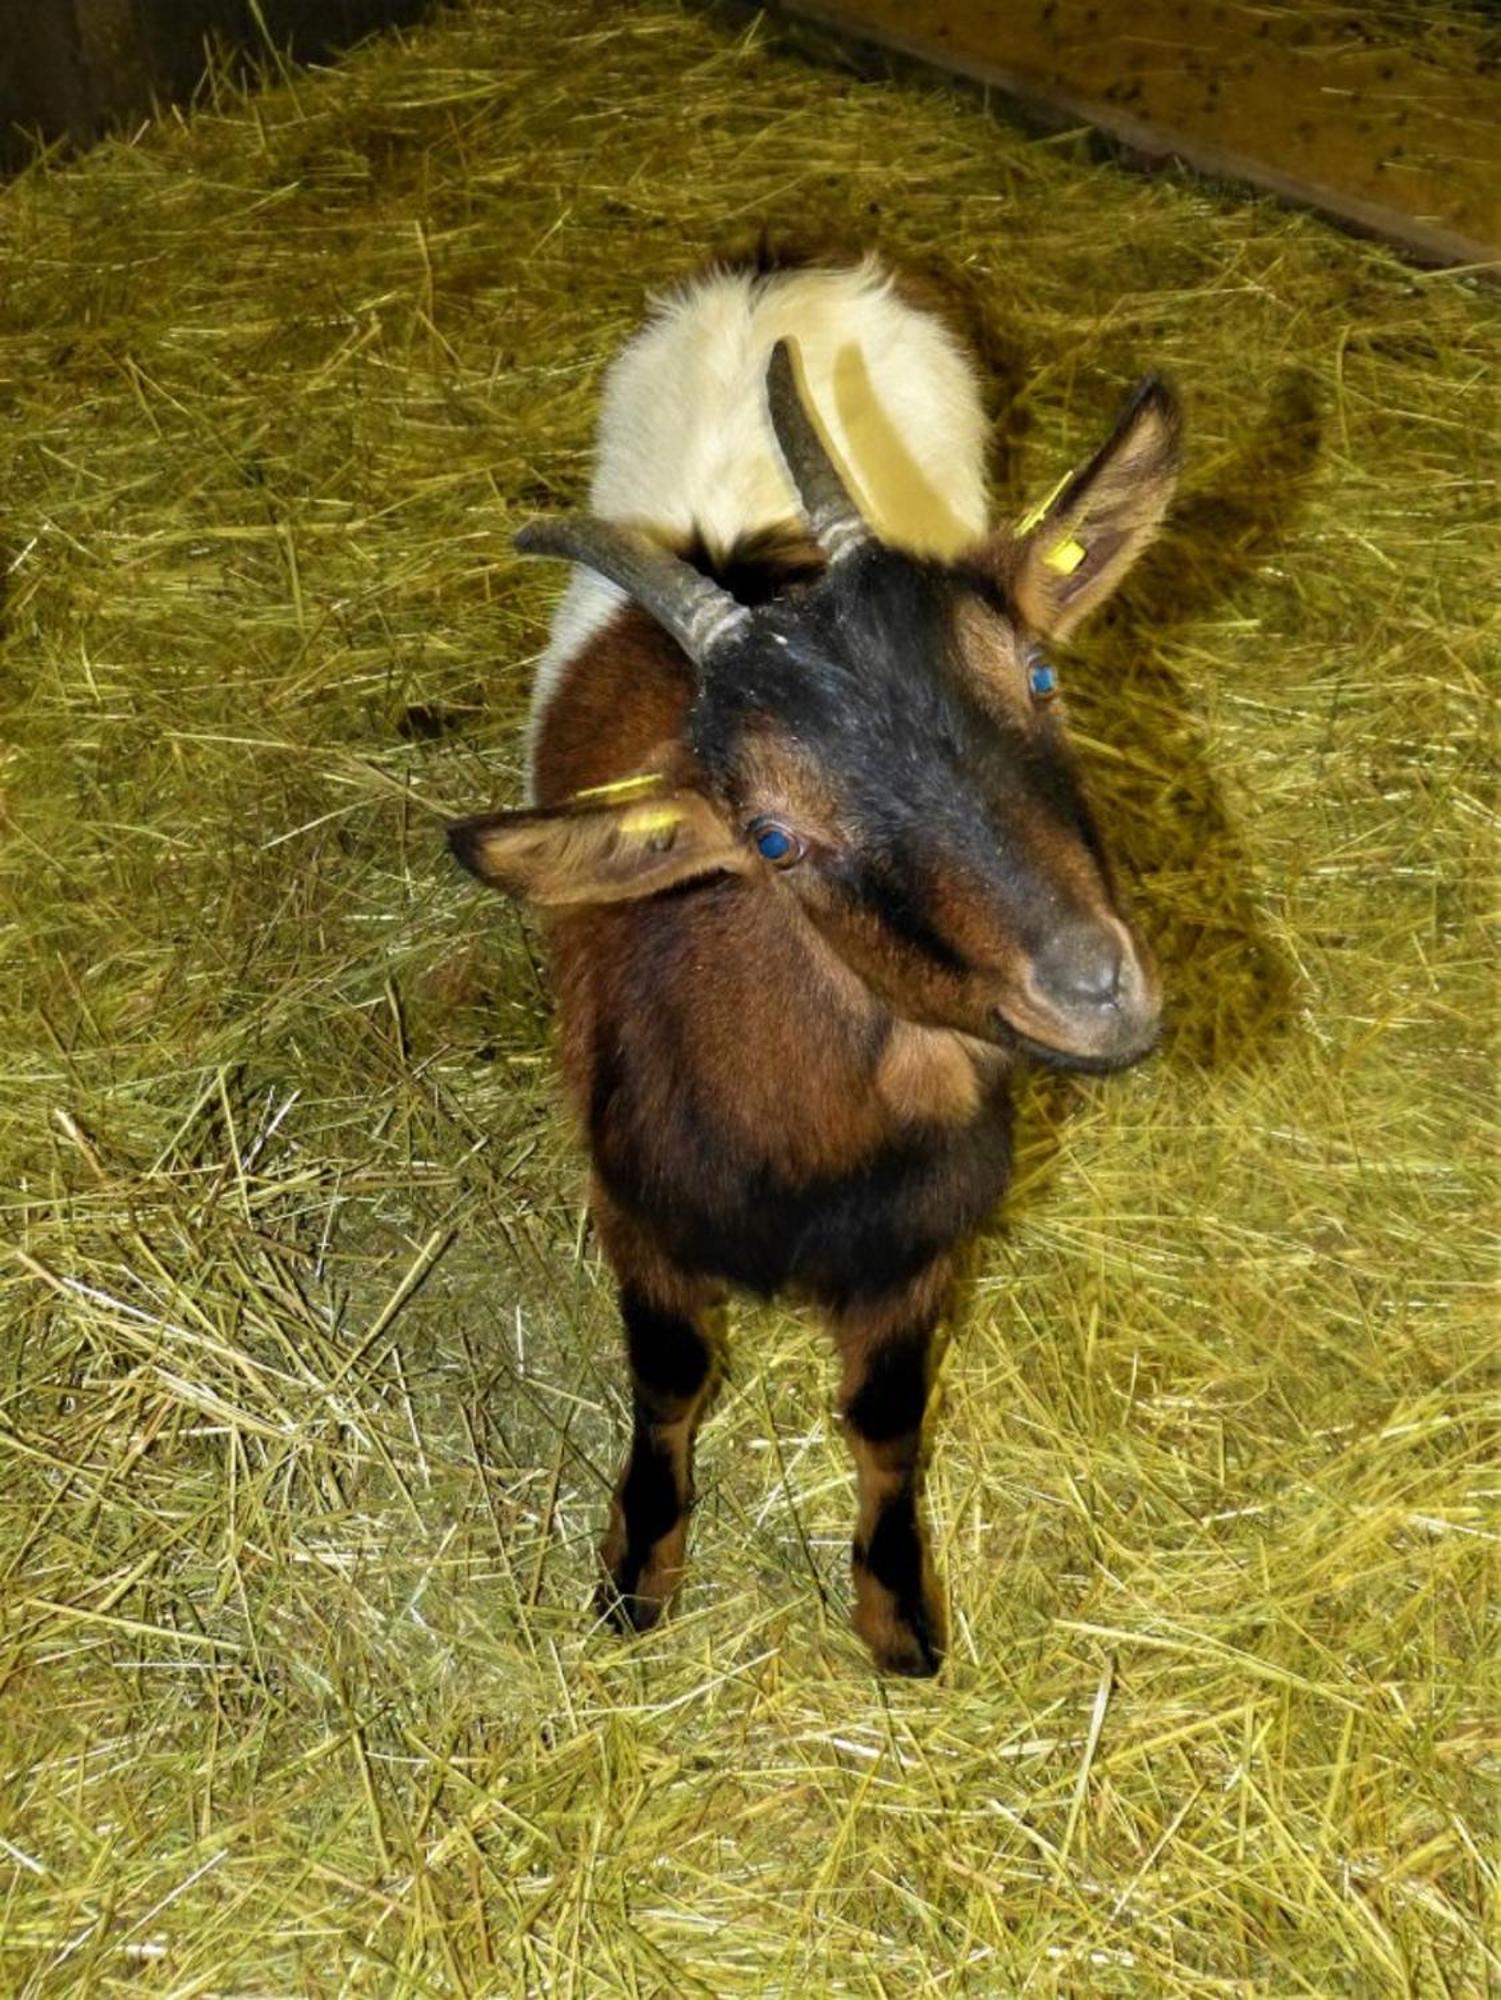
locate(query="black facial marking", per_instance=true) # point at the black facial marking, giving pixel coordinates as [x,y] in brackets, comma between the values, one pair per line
[864,672]
[844,666]
[899,910]
[669,1357]
[889,1402]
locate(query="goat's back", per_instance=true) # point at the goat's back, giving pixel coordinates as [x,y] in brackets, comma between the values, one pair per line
[684,442]
[685,447]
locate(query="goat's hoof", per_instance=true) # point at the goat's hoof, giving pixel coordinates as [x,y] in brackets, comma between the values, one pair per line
[907,1648]
[904,1636]
[621,1603]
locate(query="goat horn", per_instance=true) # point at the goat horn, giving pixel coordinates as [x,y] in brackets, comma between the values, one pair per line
[697,613]
[836,521]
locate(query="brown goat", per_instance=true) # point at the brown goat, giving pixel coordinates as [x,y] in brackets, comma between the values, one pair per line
[816,863]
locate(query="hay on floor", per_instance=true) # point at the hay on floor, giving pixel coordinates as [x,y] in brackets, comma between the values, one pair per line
[311,1394]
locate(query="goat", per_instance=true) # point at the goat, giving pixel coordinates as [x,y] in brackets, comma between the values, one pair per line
[816,864]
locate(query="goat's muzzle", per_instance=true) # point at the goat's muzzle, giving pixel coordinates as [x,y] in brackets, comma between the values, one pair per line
[1091,1000]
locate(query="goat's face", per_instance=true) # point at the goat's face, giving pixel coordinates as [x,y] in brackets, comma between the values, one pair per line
[889,751]
[884,746]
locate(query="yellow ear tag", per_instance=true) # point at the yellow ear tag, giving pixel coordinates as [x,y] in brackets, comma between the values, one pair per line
[1066,556]
[1034,516]
[652,819]
[622,788]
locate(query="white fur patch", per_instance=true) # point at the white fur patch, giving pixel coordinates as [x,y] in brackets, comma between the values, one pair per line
[685,444]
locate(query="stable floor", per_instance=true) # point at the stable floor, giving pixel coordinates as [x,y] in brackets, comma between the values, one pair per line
[310,1384]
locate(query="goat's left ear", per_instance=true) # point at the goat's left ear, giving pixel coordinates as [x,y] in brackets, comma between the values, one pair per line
[1072,553]
[581,854]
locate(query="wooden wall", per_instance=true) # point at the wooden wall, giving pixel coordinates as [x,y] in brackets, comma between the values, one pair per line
[75,68]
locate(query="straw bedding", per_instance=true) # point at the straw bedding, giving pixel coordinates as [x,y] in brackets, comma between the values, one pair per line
[311,1396]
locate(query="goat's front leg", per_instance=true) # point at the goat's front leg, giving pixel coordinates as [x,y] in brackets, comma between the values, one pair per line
[673,1368]
[886,1345]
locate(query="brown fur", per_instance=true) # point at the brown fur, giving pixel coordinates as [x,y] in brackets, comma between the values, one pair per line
[734,1028]
[930,1073]
[604,854]
[788,1085]
[855,1084]
[993,655]
[619,709]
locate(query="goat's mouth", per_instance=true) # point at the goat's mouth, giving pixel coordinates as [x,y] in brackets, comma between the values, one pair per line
[1089,1001]
[1104,1039]
[1124,1052]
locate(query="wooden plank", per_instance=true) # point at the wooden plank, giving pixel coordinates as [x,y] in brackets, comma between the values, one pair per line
[951,39]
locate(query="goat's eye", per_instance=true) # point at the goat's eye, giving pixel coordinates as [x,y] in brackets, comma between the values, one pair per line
[775,843]
[1041,679]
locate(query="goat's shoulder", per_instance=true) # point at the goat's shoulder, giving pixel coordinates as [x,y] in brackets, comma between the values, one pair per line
[755,1107]
[719,1006]
[763,1121]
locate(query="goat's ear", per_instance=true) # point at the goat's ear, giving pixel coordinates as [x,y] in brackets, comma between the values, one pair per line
[1071,553]
[600,854]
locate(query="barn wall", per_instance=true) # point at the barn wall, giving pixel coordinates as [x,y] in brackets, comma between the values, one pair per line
[74,68]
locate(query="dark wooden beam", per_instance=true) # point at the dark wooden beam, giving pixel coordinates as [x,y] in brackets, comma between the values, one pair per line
[74,69]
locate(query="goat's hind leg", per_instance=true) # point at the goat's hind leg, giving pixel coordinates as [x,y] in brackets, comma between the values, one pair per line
[673,1366]
[886,1345]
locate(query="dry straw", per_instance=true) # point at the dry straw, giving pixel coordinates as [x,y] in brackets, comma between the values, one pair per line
[310,1391]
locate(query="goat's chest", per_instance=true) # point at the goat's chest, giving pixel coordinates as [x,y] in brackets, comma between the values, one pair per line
[805,1143]
[729,1208]
[751,1106]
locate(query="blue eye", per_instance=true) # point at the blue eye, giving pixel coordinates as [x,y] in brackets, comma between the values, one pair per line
[775,843]
[1042,680]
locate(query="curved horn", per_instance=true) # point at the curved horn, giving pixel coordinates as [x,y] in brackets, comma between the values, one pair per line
[833,516]
[698,614]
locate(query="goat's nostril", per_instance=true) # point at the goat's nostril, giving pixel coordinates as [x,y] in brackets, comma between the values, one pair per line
[1083,969]
[1099,980]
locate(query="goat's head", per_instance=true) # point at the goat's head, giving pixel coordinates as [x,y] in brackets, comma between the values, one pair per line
[884,745]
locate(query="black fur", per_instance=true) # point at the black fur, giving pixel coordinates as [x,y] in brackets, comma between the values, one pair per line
[760,567]
[894,1557]
[670,1359]
[890,1401]
[837,1239]
[859,669]
[857,665]
[648,1500]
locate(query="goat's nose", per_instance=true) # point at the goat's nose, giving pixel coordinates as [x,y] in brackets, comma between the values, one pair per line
[1082,967]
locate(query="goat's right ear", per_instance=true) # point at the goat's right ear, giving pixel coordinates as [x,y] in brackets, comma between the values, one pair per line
[1074,549]
[579,854]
